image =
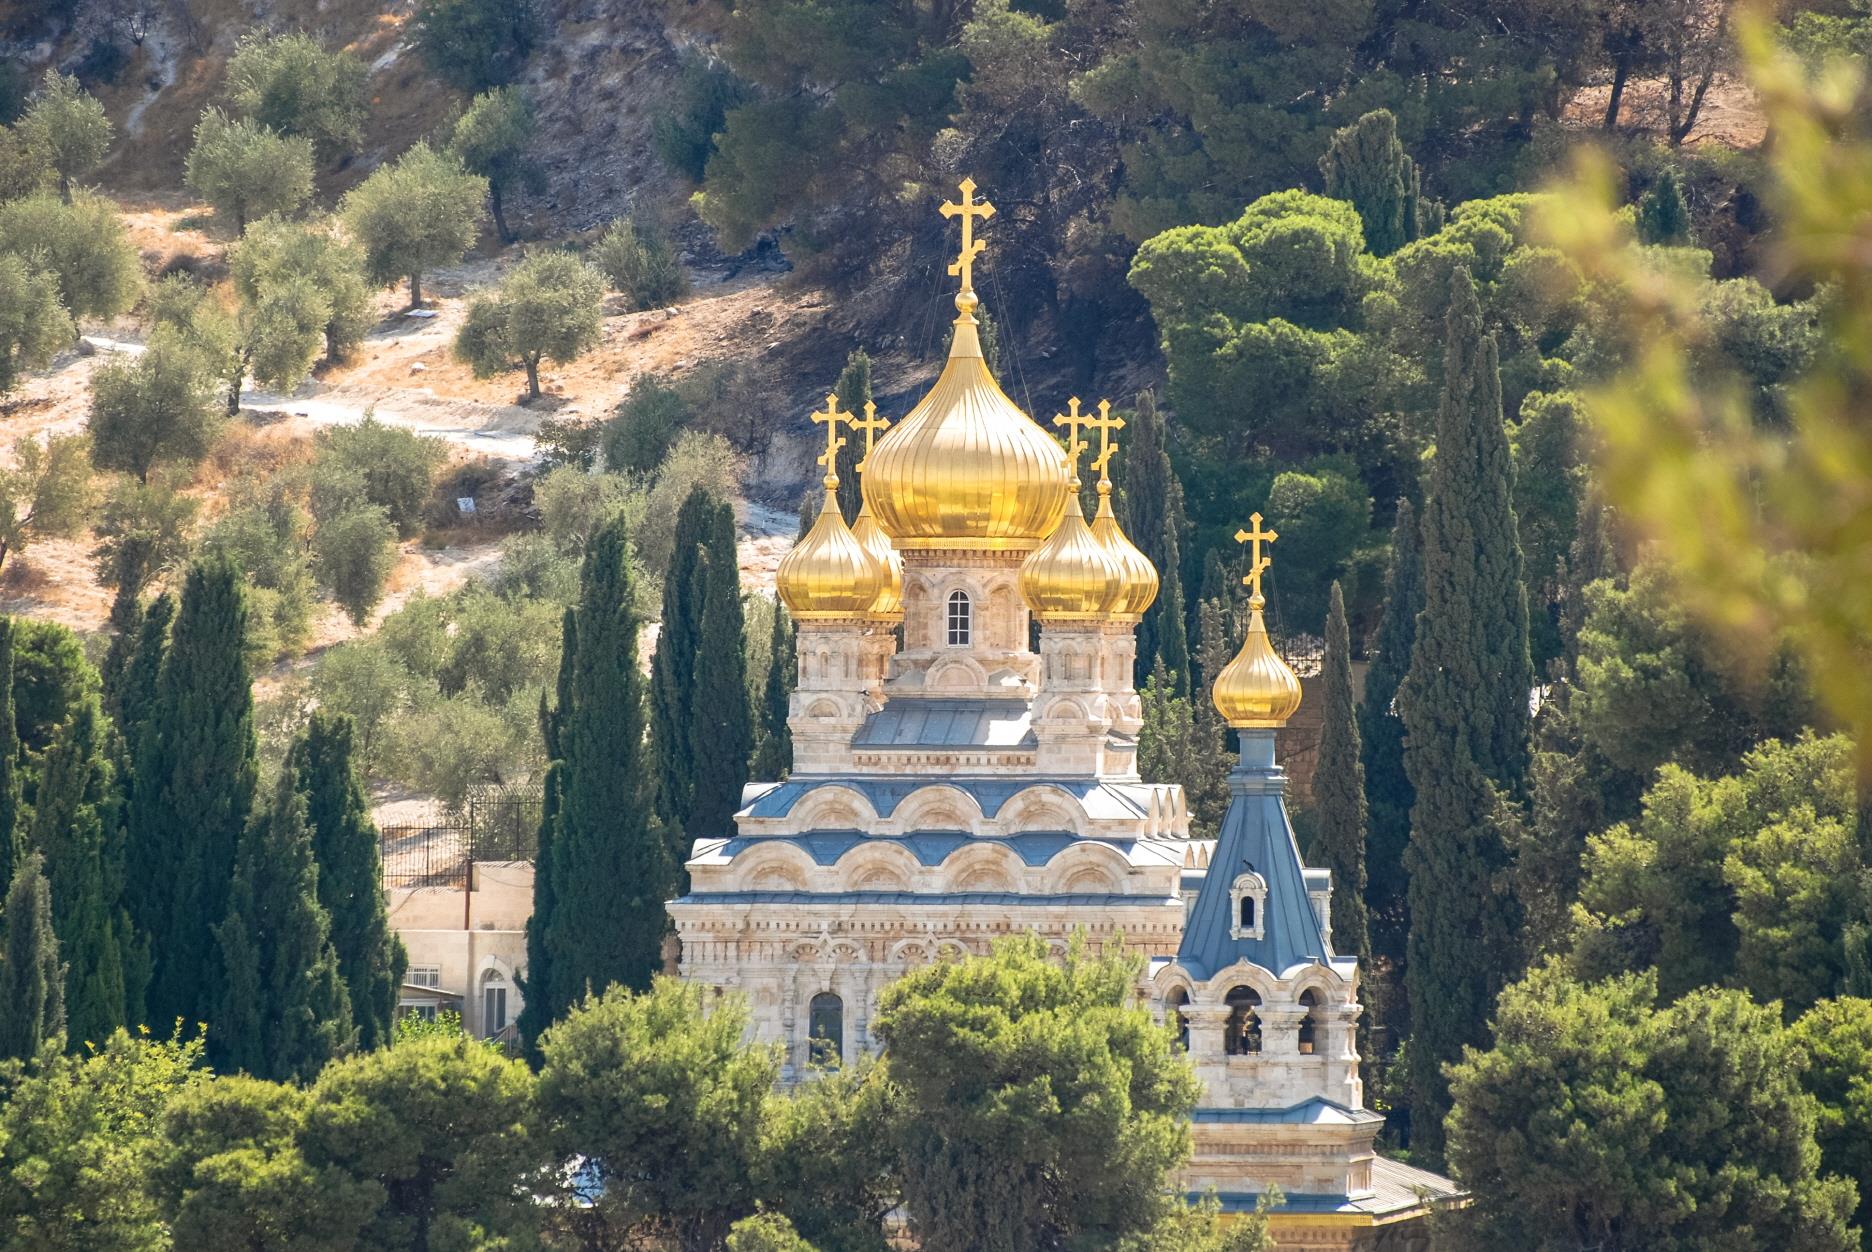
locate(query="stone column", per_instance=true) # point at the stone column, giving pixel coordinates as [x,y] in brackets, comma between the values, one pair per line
[1280,1030]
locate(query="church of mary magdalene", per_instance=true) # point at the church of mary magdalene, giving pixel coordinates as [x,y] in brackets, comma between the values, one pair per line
[952,786]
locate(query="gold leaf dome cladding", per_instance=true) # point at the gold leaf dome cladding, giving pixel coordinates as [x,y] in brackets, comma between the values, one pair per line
[1137,576]
[1256,690]
[829,574]
[888,606]
[1072,576]
[966,469]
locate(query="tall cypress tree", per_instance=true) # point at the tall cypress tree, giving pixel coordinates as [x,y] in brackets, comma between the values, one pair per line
[12,833]
[853,390]
[32,982]
[773,758]
[1339,787]
[538,1012]
[1465,708]
[371,959]
[1207,787]
[1388,793]
[673,669]
[74,825]
[134,699]
[1172,625]
[130,568]
[721,726]
[1365,165]
[193,792]
[611,872]
[283,1009]
[1149,508]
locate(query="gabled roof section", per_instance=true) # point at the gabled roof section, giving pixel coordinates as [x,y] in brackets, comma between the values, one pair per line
[920,723]
[1256,835]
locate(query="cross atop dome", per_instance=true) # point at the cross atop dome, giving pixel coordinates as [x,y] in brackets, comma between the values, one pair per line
[964,264]
[831,417]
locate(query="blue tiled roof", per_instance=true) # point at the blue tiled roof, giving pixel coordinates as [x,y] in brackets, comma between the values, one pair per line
[1257,835]
[930,847]
[942,898]
[1100,798]
[918,722]
[1317,1111]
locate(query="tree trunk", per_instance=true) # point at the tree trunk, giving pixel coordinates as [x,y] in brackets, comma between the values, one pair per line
[532,369]
[234,386]
[415,291]
[65,186]
[1680,130]
[500,218]
[1621,71]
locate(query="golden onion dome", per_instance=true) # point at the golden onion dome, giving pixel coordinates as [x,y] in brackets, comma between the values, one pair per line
[1071,577]
[829,574]
[1137,576]
[966,468]
[1256,690]
[889,603]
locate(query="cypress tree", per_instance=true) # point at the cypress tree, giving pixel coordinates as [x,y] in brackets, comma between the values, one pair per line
[1172,626]
[1365,165]
[74,825]
[12,833]
[673,669]
[1465,708]
[721,726]
[1339,787]
[193,792]
[1147,491]
[135,696]
[371,959]
[1663,213]
[611,872]
[1207,789]
[1388,792]
[130,568]
[537,1012]
[283,1008]
[32,982]
[773,759]
[853,390]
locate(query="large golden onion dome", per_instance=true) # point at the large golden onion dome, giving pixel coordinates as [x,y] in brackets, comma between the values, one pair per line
[830,574]
[966,468]
[1071,577]
[1256,690]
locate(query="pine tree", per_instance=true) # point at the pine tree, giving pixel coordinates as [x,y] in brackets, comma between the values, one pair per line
[1339,788]
[1465,708]
[1388,793]
[193,792]
[32,982]
[538,1012]
[673,669]
[74,825]
[1664,214]
[371,959]
[283,1008]
[773,758]
[1366,165]
[12,834]
[721,725]
[853,390]
[611,871]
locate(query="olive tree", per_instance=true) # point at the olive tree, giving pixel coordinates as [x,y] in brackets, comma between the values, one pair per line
[33,324]
[546,309]
[494,139]
[291,84]
[67,124]
[246,170]
[415,214]
[81,244]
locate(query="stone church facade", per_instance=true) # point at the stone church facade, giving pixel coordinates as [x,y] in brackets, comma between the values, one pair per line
[953,785]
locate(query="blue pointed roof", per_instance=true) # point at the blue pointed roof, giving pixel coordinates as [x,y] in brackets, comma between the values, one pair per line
[1256,834]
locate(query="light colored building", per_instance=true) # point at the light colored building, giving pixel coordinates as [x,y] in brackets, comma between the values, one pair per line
[467,945]
[952,785]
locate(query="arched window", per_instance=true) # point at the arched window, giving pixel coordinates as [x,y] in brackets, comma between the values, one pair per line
[1309,1025]
[1244,1024]
[961,619]
[1176,1000]
[825,1020]
[493,1004]
[1249,893]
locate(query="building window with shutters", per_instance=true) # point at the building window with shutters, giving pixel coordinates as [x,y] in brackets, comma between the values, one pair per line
[961,619]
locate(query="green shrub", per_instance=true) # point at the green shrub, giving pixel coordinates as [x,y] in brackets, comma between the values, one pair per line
[641,263]
[638,435]
[684,131]
[353,553]
[374,463]
[476,44]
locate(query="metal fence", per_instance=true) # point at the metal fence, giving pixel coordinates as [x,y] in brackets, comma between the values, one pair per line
[493,824]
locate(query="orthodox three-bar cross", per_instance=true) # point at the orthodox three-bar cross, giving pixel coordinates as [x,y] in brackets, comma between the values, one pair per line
[970,209]
[1257,563]
[872,425]
[1072,419]
[1105,424]
[833,440]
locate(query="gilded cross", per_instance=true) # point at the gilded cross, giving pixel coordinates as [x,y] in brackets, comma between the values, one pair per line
[1105,424]
[833,440]
[1257,564]
[1072,419]
[872,425]
[968,211]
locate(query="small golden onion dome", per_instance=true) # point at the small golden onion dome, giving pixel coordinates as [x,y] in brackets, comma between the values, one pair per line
[1137,576]
[889,603]
[829,574]
[966,468]
[1071,577]
[1256,690]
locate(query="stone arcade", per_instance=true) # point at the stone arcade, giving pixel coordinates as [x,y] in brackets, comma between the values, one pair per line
[958,786]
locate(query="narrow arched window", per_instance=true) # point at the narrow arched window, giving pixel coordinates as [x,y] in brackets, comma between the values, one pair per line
[1247,912]
[1309,1025]
[1177,999]
[961,619]
[1244,1024]
[825,1018]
